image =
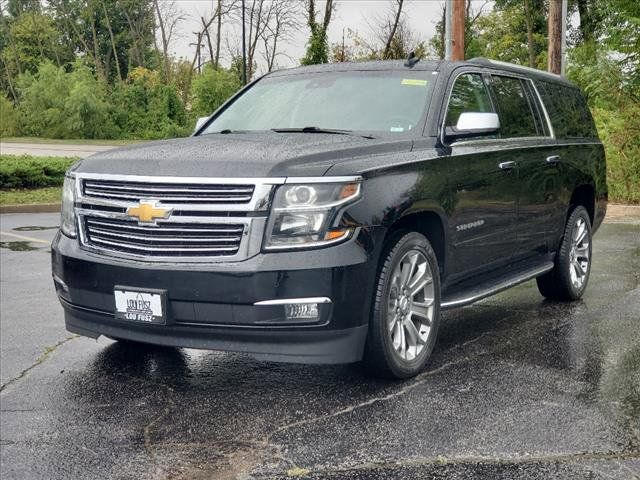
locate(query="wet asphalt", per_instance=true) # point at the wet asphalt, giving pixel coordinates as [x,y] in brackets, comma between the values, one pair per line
[517,388]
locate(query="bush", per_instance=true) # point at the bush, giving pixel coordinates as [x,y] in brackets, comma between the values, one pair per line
[620,133]
[144,108]
[59,104]
[212,88]
[8,118]
[25,171]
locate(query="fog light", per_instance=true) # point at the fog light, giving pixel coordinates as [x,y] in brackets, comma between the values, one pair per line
[301,311]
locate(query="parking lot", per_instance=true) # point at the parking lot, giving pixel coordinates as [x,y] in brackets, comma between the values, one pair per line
[517,388]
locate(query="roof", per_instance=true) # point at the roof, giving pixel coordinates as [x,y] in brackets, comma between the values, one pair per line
[422,65]
[379,65]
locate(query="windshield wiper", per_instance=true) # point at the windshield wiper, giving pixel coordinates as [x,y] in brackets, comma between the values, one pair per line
[332,131]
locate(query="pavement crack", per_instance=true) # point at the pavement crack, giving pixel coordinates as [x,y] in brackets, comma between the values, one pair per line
[419,380]
[41,359]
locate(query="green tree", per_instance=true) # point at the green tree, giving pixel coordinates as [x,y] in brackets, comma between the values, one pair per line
[8,118]
[144,107]
[318,44]
[115,34]
[55,103]
[212,88]
[32,38]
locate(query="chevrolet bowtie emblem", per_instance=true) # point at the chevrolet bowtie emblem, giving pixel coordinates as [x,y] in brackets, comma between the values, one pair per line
[147,211]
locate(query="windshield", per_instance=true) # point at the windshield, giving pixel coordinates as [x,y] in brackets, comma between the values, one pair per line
[365,101]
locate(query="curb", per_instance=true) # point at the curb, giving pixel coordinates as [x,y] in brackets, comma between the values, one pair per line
[31,208]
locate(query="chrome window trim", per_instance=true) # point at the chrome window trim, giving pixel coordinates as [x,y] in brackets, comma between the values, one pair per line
[552,133]
[481,72]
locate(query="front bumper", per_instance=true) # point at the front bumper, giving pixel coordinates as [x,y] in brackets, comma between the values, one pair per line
[212,306]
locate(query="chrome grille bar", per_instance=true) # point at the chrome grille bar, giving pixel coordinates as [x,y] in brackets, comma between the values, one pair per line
[189,193]
[164,228]
[166,250]
[116,234]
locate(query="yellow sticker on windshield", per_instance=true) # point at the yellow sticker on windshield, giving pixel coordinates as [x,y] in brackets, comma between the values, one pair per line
[414,82]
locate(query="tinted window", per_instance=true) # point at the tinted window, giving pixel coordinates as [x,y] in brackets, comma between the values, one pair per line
[516,116]
[469,94]
[568,111]
[384,101]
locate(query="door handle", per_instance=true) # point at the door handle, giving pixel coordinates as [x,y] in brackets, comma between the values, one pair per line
[507,165]
[553,160]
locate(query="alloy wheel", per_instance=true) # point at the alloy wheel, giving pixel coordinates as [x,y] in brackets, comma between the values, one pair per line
[410,305]
[579,254]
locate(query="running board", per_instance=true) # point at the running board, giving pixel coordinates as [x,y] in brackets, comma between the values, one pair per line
[503,282]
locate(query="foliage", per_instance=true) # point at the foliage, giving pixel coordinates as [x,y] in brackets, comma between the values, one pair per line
[30,172]
[615,101]
[317,49]
[502,35]
[145,108]
[212,88]
[31,39]
[59,104]
[8,118]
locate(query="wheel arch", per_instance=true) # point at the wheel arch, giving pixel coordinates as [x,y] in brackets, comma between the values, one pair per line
[583,195]
[430,224]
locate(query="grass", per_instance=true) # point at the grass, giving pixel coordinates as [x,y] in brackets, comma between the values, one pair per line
[79,141]
[20,196]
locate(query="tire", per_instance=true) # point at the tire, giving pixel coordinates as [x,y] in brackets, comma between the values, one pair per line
[394,349]
[570,275]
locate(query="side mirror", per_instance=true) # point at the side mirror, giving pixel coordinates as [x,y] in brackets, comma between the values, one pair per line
[199,123]
[473,124]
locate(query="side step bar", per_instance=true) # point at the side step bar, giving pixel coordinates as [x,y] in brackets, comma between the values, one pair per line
[462,297]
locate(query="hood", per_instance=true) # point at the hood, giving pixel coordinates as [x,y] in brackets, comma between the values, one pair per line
[265,154]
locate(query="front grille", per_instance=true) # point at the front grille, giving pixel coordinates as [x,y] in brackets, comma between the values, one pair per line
[196,193]
[166,239]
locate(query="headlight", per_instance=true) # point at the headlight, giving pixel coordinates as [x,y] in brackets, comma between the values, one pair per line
[67,215]
[308,215]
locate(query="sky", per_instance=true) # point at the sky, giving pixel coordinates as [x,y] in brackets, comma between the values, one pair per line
[357,15]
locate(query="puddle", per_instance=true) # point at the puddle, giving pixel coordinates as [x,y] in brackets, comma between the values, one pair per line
[17,246]
[34,228]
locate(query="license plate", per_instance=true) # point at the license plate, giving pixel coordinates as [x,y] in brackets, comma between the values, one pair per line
[144,306]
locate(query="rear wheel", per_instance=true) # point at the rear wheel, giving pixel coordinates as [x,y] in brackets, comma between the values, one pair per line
[406,314]
[568,279]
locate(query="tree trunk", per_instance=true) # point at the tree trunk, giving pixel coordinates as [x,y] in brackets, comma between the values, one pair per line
[206,26]
[113,42]
[529,19]
[555,34]
[392,33]
[218,35]
[165,42]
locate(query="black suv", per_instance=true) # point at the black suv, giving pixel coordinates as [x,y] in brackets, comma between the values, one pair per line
[328,214]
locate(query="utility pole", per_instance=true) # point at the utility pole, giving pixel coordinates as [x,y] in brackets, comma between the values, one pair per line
[557,36]
[448,9]
[458,21]
[563,41]
[244,47]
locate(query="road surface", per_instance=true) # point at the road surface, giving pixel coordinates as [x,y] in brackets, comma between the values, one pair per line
[517,388]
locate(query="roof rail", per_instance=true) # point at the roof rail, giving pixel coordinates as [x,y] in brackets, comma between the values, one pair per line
[498,63]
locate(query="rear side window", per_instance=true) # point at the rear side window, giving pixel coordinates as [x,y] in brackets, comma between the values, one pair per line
[469,94]
[568,111]
[514,108]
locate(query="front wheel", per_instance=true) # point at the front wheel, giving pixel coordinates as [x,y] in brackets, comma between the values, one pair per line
[570,275]
[406,313]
